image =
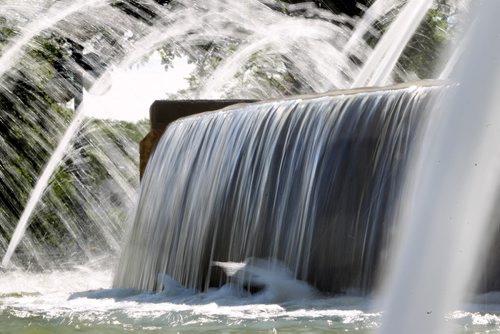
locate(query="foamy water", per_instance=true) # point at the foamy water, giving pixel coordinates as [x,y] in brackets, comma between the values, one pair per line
[81,300]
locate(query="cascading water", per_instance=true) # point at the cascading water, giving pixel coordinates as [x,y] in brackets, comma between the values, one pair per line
[312,183]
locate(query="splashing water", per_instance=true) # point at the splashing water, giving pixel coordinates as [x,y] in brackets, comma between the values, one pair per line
[50,17]
[382,60]
[245,50]
[280,40]
[453,191]
[42,182]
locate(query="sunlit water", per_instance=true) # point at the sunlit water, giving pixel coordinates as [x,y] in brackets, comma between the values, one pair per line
[51,301]
[286,39]
[80,301]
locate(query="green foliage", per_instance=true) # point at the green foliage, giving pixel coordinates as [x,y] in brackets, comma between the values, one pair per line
[7,32]
[422,54]
[74,197]
[274,75]
[33,117]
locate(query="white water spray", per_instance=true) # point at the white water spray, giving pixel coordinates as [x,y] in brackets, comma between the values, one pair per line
[377,10]
[48,19]
[194,24]
[378,67]
[41,184]
[454,188]
[456,56]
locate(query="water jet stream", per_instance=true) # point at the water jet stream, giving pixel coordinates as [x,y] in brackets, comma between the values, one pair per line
[53,15]
[42,182]
[452,191]
[378,67]
[377,10]
[51,166]
[456,56]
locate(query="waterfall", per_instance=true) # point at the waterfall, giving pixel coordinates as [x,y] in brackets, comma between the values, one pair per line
[310,182]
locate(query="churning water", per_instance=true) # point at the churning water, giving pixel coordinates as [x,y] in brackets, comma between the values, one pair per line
[47,303]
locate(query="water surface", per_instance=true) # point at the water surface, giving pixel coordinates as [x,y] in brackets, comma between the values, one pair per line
[80,301]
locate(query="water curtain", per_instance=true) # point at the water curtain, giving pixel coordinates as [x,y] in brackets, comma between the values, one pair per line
[310,182]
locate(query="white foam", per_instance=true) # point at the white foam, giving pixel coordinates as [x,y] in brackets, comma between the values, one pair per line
[274,278]
[58,297]
[81,297]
